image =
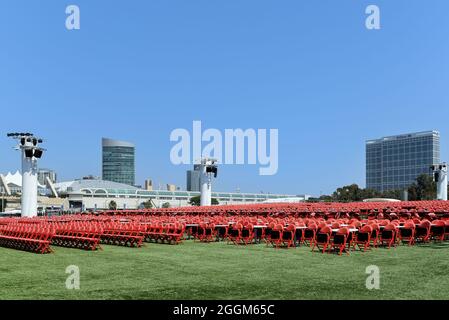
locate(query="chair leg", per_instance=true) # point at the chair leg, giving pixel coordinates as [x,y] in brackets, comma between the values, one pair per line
[324,247]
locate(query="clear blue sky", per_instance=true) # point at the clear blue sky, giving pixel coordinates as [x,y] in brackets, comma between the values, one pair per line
[138,69]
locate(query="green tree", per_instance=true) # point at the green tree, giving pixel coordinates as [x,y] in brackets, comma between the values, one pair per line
[423,189]
[369,194]
[392,194]
[196,201]
[322,198]
[326,198]
[348,193]
[147,204]
[112,205]
[166,205]
[353,193]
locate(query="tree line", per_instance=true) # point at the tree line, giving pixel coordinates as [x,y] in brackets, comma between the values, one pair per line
[424,188]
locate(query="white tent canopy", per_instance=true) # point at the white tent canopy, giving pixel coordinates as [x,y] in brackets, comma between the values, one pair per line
[15,180]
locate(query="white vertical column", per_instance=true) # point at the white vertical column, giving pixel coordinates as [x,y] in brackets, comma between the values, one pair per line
[206,194]
[442,184]
[29,186]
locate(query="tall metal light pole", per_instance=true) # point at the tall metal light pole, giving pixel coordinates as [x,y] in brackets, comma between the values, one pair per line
[29,145]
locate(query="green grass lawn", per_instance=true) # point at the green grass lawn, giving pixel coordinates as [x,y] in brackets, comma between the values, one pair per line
[220,271]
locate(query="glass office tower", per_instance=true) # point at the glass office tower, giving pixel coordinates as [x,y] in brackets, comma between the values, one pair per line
[394,163]
[193,178]
[118,161]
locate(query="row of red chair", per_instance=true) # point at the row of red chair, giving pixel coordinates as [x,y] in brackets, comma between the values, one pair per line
[83,231]
[123,234]
[330,210]
[205,232]
[326,241]
[279,235]
[411,233]
[27,238]
[165,233]
[385,234]
[240,233]
[81,237]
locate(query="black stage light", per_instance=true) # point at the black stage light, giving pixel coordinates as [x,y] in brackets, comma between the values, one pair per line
[38,153]
[437,176]
[29,153]
[22,141]
[28,139]
[39,140]
[34,141]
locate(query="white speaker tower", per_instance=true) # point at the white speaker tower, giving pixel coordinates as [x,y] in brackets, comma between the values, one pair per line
[440,177]
[208,167]
[31,152]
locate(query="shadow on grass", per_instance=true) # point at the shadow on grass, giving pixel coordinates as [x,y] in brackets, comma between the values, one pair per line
[433,245]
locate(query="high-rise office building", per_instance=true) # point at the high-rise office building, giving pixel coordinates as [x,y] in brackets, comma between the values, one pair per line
[118,161]
[42,175]
[193,178]
[394,163]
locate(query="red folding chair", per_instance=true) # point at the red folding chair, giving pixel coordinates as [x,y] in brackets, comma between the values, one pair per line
[288,236]
[363,238]
[437,230]
[276,236]
[339,240]
[235,233]
[407,233]
[388,236]
[422,233]
[309,234]
[322,239]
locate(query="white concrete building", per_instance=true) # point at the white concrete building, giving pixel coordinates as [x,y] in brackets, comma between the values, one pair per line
[98,194]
